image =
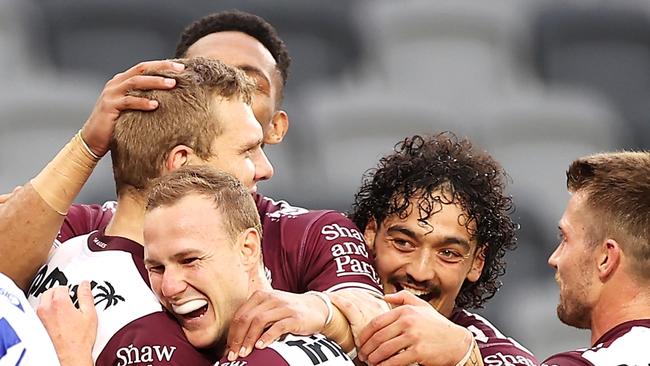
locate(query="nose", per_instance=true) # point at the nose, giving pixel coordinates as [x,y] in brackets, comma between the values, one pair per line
[552,260]
[263,167]
[422,268]
[173,284]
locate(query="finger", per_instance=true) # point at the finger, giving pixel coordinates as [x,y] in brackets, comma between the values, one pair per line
[61,297]
[377,324]
[85,298]
[389,349]
[129,102]
[275,331]
[149,67]
[242,321]
[144,82]
[44,304]
[404,298]
[4,197]
[377,339]
[263,320]
[407,357]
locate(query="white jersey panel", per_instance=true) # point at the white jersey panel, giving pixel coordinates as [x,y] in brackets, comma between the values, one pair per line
[629,349]
[120,294]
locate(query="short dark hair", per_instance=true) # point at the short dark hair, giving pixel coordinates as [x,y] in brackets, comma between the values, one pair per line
[617,185]
[418,169]
[239,21]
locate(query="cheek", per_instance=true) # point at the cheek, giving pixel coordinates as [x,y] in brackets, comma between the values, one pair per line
[389,261]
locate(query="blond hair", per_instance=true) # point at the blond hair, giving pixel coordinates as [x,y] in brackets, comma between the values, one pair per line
[186,116]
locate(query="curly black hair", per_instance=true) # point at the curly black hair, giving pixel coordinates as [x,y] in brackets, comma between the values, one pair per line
[236,20]
[419,168]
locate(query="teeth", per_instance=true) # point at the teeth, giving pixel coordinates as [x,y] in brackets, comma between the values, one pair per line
[189,306]
[414,291]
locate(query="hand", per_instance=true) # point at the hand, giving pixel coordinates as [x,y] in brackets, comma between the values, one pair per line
[282,312]
[359,307]
[73,331]
[98,129]
[413,332]
[5,196]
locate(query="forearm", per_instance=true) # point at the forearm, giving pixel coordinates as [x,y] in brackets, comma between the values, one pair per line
[30,219]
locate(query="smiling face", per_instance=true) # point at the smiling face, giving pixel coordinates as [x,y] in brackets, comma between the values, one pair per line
[240,50]
[432,260]
[571,260]
[196,269]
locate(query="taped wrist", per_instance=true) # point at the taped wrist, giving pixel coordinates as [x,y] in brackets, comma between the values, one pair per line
[472,357]
[61,180]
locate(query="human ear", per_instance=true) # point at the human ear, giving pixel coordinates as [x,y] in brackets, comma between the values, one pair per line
[179,156]
[279,125]
[370,233]
[477,265]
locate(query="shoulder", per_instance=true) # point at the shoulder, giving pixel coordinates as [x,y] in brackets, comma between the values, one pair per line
[571,358]
[496,348]
[82,219]
[23,339]
[625,344]
[155,339]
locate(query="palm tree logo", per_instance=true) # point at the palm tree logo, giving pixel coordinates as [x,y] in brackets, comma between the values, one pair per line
[107,294]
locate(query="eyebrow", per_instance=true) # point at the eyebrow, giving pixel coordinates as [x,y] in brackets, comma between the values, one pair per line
[411,234]
[177,256]
[251,144]
[256,71]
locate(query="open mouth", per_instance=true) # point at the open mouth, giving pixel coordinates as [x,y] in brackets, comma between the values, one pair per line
[192,309]
[422,294]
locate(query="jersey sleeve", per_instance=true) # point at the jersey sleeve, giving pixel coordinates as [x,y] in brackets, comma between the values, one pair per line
[505,352]
[83,219]
[155,339]
[566,359]
[334,256]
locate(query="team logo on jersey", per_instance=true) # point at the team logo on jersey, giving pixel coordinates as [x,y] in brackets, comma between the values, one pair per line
[286,210]
[103,291]
[13,299]
[144,355]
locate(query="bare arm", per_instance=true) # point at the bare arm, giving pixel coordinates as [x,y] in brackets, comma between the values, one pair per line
[31,216]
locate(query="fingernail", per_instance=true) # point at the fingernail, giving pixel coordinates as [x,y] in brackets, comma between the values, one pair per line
[232,356]
[243,352]
[153,103]
[170,82]
[259,344]
[178,66]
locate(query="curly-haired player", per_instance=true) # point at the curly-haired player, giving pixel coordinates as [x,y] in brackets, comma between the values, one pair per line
[435,214]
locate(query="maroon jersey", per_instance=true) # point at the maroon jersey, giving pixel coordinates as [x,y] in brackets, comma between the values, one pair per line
[133,328]
[496,348]
[625,344]
[319,250]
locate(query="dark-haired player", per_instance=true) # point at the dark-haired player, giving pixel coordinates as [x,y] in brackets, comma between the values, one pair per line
[436,217]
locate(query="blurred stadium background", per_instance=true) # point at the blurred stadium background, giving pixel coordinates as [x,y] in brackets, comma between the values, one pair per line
[536,83]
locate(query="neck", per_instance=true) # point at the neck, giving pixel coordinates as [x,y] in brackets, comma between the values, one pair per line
[621,302]
[258,281]
[129,217]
